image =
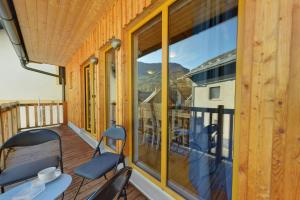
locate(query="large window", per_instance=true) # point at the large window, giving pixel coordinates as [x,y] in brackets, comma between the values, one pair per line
[202,52]
[147,96]
[111,88]
[189,77]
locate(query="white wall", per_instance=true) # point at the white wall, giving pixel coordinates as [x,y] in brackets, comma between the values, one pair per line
[17,83]
[227,94]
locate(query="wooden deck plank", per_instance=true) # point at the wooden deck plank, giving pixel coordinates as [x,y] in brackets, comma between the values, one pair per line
[76,152]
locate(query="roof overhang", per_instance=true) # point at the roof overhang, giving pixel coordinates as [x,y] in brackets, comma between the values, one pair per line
[53,30]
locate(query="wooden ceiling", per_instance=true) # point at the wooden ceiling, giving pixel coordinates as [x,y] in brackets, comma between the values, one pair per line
[54,29]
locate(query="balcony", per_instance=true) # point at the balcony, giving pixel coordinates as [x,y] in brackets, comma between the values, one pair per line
[21,116]
[207,90]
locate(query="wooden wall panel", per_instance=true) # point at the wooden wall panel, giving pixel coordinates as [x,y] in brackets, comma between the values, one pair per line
[112,23]
[267,147]
[268,104]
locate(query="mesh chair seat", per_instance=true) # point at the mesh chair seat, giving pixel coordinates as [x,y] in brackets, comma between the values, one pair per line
[27,170]
[98,166]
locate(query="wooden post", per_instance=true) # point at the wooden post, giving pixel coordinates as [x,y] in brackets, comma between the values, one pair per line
[65,113]
[11,122]
[36,119]
[58,113]
[44,115]
[51,113]
[18,117]
[1,128]
[27,116]
[1,139]
[15,119]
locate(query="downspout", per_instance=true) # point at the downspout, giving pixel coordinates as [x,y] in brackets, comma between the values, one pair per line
[10,23]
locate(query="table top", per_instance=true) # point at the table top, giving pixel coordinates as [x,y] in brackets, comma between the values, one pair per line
[53,189]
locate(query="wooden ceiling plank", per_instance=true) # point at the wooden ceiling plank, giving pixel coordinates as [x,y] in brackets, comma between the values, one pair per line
[22,14]
[32,20]
[53,30]
[78,23]
[42,14]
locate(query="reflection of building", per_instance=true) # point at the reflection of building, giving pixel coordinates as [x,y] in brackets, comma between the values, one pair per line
[213,84]
[214,81]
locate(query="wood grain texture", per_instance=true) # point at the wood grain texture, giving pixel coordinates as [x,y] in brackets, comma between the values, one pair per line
[75,153]
[112,24]
[53,30]
[268,154]
[267,96]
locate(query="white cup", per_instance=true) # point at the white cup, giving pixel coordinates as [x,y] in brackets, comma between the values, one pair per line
[47,174]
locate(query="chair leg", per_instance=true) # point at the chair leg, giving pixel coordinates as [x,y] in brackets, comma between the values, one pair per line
[79,188]
[125,194]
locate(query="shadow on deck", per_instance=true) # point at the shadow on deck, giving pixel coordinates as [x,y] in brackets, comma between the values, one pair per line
[76,152]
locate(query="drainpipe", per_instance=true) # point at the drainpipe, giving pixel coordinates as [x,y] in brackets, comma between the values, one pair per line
[10,23]
[60,76]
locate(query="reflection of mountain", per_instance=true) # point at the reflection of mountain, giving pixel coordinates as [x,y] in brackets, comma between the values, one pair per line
[149,78]
[150,74]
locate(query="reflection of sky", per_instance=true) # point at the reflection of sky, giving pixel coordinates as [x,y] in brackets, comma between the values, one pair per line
[195,50]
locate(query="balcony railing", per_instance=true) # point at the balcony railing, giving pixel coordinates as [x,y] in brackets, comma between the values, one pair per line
[17,116]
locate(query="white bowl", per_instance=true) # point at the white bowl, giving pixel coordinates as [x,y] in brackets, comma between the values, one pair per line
[47,174]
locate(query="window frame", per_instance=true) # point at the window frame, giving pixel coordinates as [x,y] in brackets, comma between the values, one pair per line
[163,9]
[103,52]
[210,93]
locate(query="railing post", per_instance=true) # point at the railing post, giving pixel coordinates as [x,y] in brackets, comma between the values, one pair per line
[44,114]
[1,139]
[65,113]
[219,148]
[51,113]
[1,128]
[36,118]
[11,122]
[18,117]
[27,116]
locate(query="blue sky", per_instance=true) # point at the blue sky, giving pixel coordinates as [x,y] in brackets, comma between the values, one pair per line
[193,51]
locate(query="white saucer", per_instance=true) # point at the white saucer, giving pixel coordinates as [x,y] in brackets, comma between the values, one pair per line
[57,174]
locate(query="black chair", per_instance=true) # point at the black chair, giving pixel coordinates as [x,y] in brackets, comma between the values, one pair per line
[29,169]
[101,164]
[115,187]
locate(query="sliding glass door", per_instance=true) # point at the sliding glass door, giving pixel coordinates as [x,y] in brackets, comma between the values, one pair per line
[183,97]
[89,98]
[110,68]
[147,96]
[202,60]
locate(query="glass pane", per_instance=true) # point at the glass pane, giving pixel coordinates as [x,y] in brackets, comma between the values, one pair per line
[88,101]
[111,93]
[147,58]
[202,60]
[214,92]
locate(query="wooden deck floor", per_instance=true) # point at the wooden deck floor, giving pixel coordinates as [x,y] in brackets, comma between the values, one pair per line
[75,152]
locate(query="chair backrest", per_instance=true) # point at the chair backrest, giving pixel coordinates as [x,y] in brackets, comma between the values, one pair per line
[116,132]
[113,187]
[31,138]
